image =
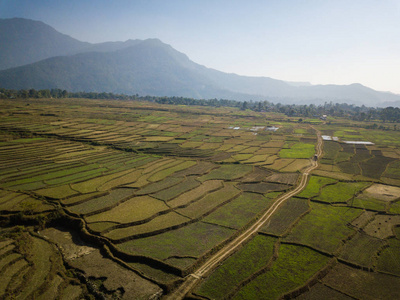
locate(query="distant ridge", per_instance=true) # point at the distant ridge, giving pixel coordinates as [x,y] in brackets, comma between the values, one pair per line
[37,56]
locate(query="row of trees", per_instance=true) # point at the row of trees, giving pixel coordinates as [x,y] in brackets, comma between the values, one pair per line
[360,113]
[32,93]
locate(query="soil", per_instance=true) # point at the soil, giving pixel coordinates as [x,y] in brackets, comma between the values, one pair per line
[116,279]
[382,226]
[382,192]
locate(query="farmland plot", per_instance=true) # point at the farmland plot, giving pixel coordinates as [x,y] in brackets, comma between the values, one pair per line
[251,258]
[327,222]
[161,187]
[190,241]
[361,284]
[293,267]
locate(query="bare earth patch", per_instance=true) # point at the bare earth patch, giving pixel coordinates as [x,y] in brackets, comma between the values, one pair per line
[382,226]
[382,192]
[89,260]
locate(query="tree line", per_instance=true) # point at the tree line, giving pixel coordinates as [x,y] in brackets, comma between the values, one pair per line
[358,113]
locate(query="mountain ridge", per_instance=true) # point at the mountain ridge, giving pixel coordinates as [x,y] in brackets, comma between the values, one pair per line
[148,67]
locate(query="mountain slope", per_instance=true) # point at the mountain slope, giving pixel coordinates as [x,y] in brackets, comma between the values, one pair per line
[25,41]
[147,67]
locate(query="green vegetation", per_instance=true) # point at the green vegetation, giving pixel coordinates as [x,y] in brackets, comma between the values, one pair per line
[314,186]
[327,222]
[294,266]
[285,216]
[161,222]
[252,257]
[174,191]
[101,203]
[239,211]
[209,202]
[388,260]
[361,248]
[132,210]
[228,172]
[298,150]
[341,191]
[192,240]
[165,185]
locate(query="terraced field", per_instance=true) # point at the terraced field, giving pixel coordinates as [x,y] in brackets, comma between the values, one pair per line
[125,200]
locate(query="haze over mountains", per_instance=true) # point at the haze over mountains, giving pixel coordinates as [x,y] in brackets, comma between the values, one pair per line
[35,55]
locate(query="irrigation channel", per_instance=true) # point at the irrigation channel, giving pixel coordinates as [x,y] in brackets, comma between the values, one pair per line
[192,279]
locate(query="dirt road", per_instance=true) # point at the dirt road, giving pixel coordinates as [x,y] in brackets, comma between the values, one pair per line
[192,279]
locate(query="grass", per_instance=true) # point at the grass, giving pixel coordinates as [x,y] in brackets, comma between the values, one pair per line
[227,172]
[285,216]
[209,202]
[239,211]
[76,177]
[341,191]
[202,167]
[92,185]
[100,226]
[375,166]
[167,172]
[159,223]
[41,253]
[298,150]
[393,170]
[192,240]
[389,258]
[50,175]
[279,164]
[58,192]
[81,198]
[262,187]
[361,249]
[135,209]
[101,203]
[9,272]
[296,165]
[174,191]
[294,266]
[196,193]
[160,185]
[362,284]
[395,208]
[326,222]
[257,175]
[155,273]
[253,256]
[370,204]
[331,150]
[120,181]
[314,186]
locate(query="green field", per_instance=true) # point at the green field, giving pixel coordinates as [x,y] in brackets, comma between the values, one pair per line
[286,273]
[254,256]
[159,188]
[327,222]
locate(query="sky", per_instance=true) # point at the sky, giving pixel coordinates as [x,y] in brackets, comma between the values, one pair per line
[316,41]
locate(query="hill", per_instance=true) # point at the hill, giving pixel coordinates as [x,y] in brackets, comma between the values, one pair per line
[49,59]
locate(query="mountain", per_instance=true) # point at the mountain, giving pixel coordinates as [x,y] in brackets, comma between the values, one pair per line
[145,67]
[25,41]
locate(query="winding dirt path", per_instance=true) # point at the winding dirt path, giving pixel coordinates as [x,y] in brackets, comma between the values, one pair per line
[192,279]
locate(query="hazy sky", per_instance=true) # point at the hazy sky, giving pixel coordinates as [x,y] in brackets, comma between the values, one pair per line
[321,41]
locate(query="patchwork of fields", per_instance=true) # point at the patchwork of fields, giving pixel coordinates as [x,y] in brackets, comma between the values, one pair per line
[151,191]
